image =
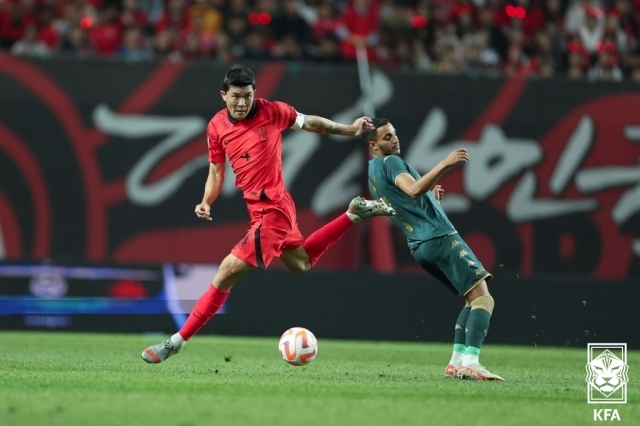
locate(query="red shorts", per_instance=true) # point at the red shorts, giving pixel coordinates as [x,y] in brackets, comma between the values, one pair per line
[274,229]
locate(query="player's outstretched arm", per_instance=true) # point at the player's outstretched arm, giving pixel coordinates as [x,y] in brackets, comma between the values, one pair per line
[324,126]
[417,188]
[211,190]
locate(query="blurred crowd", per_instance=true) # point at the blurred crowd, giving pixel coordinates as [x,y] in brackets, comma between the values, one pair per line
[590,39]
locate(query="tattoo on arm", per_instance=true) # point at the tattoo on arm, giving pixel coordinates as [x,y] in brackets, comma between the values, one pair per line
[335,129]
[324,126]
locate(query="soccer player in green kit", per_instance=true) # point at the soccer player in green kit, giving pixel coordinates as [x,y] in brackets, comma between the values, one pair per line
[434,242]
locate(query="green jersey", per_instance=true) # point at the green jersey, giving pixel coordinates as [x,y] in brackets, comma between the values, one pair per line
[421,219]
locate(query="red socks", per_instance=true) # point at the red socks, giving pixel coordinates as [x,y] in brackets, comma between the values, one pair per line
[206,307]
[325,237]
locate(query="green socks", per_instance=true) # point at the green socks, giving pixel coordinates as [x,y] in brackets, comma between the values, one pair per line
[477,326]
[476,331]
[459,336]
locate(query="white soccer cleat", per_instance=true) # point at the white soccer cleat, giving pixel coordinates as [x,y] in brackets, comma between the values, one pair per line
[477,372]
[158,353]
[365,209]
[451,371]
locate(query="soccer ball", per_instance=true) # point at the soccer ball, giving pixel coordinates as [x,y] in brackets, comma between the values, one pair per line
[298,346]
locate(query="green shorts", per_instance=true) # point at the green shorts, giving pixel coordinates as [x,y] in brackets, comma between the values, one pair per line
[451,261]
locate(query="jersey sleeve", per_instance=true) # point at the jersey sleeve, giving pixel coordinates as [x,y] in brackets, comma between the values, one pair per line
[393,167]
[286,115]
[216,153]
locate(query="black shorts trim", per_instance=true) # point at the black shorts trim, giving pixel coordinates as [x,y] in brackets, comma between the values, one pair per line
[258,247]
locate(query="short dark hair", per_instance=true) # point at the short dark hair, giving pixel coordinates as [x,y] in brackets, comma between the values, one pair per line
[372,135]
[238,76]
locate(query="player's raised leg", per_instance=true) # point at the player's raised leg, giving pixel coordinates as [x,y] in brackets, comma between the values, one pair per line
[459,341]
[300,259]
[230,270]
[482,305]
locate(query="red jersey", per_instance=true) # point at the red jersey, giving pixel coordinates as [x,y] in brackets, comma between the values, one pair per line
[253,146]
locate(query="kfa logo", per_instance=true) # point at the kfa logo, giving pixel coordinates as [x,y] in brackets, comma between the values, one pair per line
[262,133]
[607,373]
[607,378]
[606,414]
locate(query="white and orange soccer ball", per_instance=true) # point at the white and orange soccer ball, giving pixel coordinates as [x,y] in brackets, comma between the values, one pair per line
[298,346]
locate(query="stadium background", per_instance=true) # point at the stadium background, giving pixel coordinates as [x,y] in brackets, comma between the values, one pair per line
[102,159]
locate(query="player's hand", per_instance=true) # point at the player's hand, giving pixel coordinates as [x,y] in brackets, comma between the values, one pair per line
[362,124]
[438,192]
[203,211]
[456,157]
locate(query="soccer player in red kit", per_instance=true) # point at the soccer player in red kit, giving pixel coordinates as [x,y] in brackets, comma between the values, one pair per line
[249,133]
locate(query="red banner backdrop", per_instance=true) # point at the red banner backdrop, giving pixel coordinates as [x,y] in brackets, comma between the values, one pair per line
[104,161]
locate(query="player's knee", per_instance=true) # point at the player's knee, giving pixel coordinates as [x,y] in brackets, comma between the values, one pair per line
[300,267]
[485,302]
[229,271]
[224,279]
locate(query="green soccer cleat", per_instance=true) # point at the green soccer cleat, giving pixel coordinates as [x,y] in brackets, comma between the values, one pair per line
[365,209]
[477,372]
[158,353]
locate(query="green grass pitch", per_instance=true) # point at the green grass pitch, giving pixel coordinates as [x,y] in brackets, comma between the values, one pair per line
[99,379]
